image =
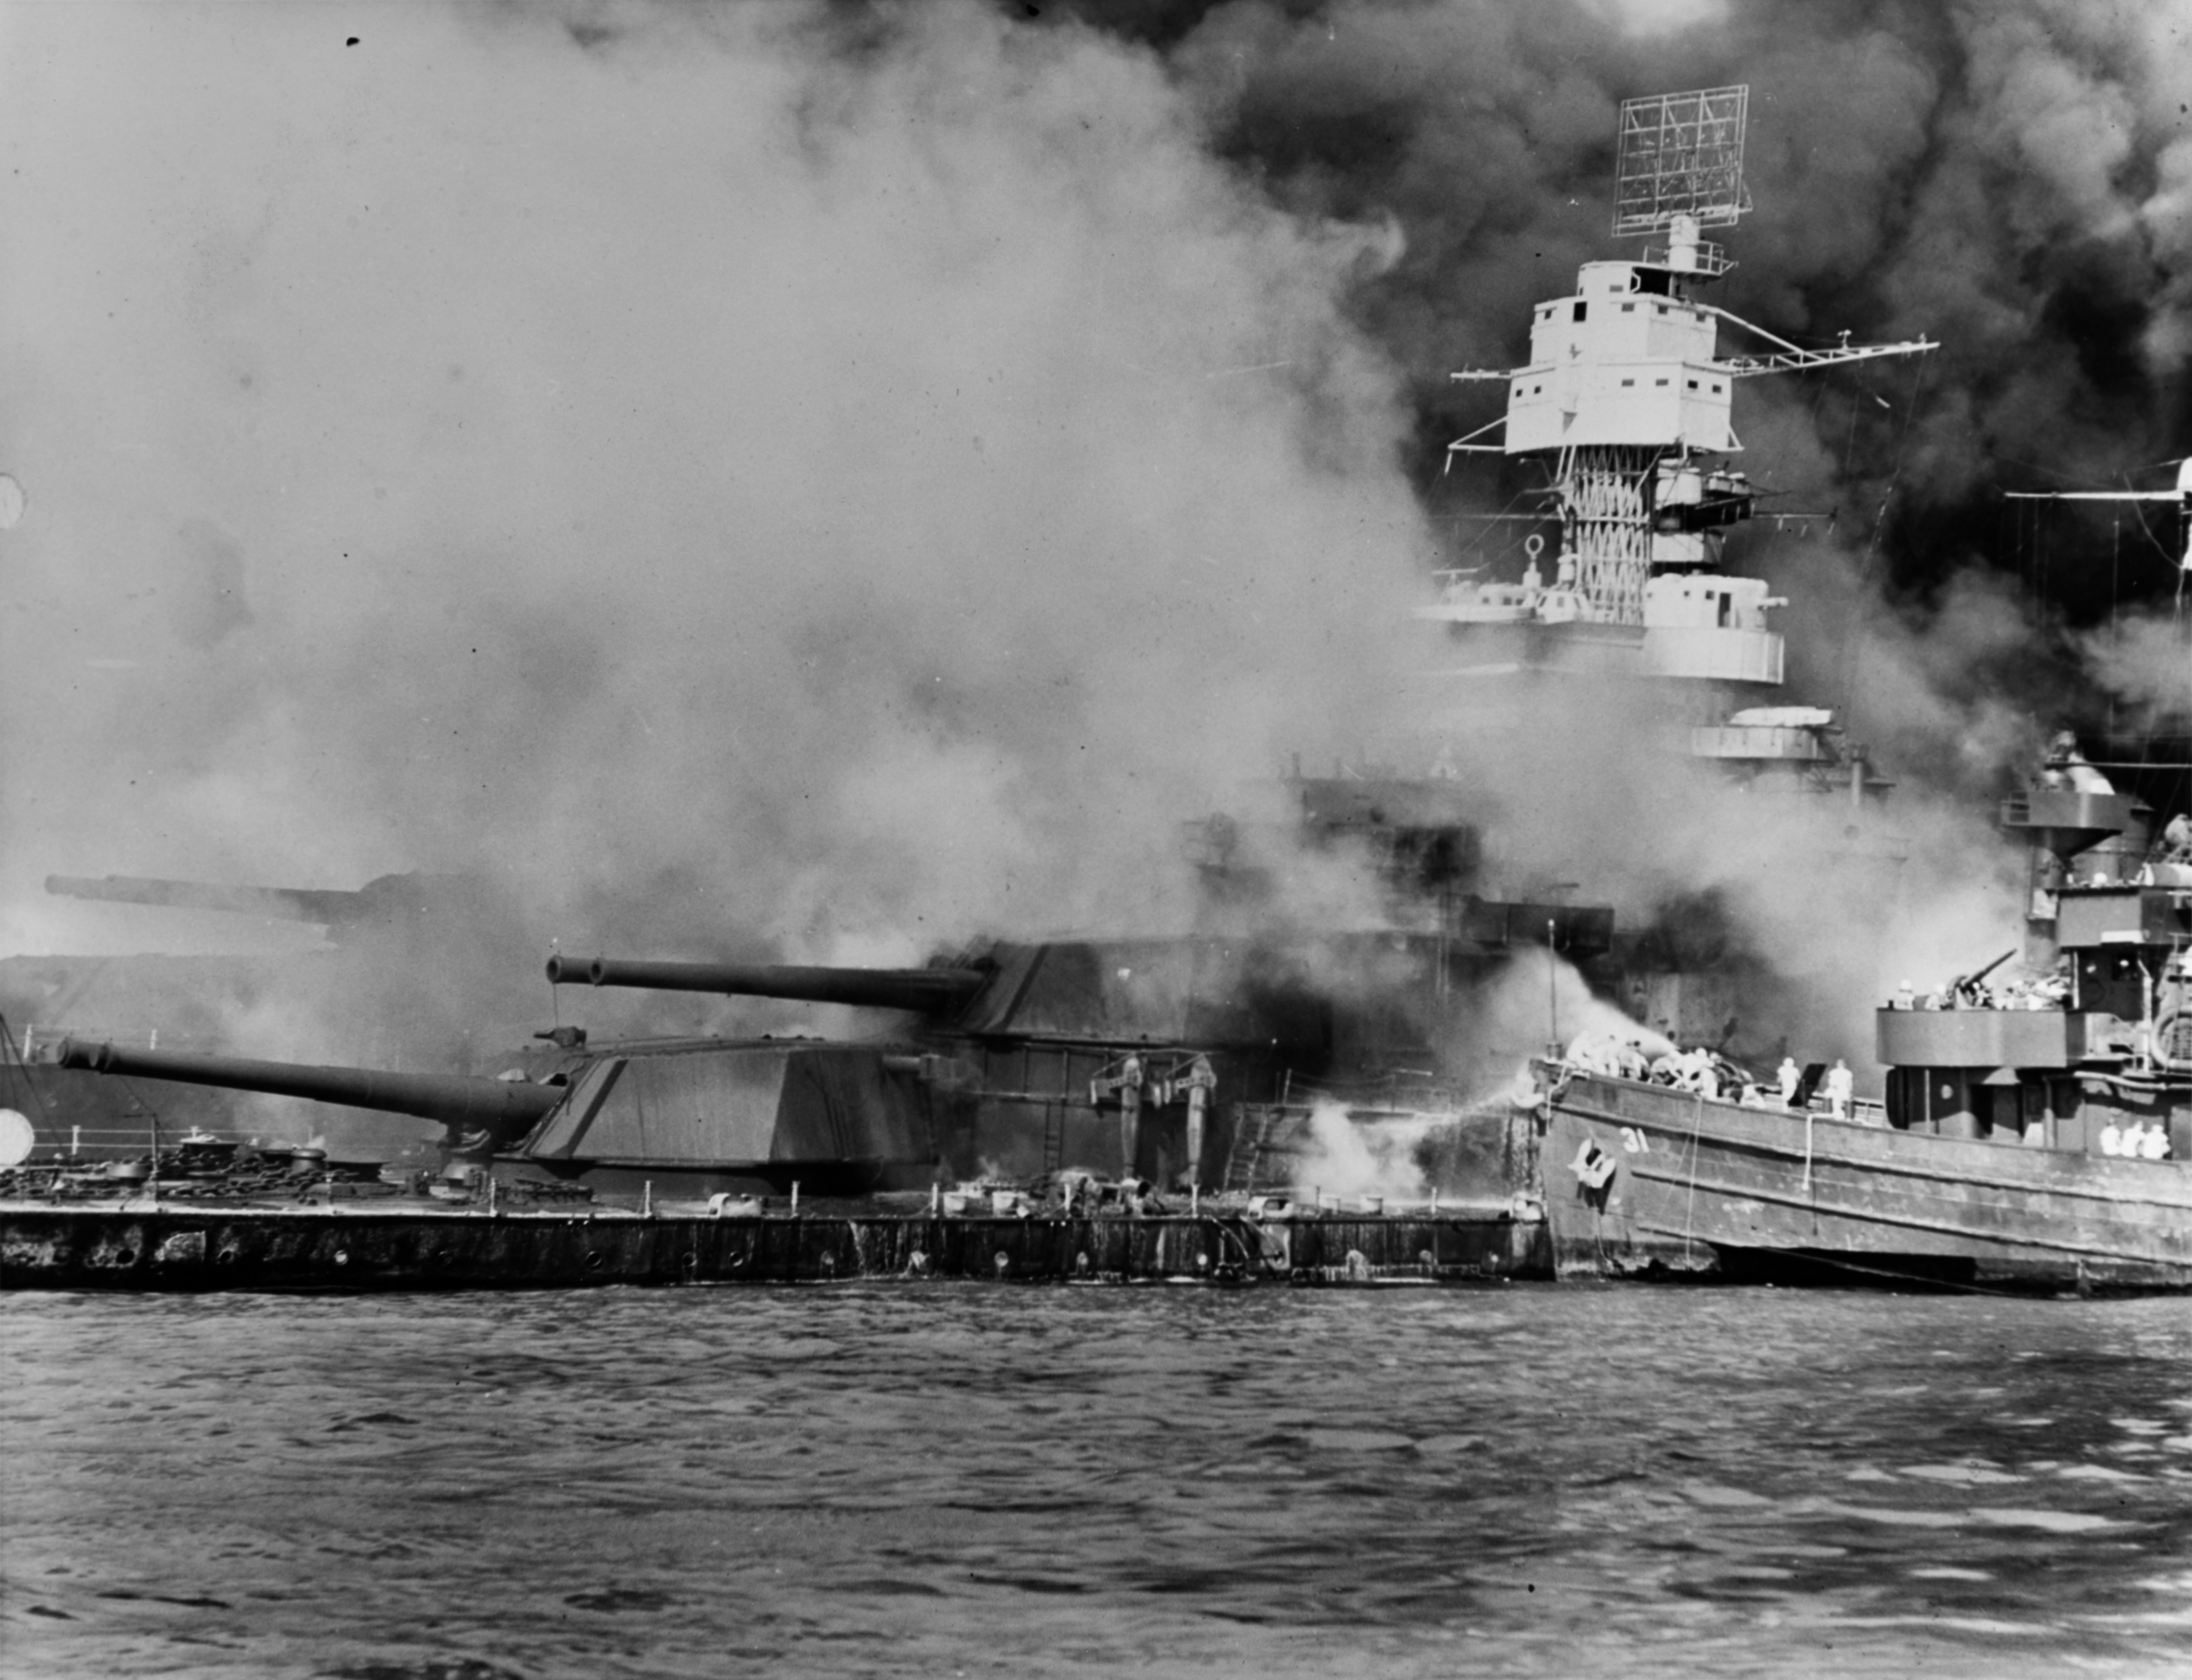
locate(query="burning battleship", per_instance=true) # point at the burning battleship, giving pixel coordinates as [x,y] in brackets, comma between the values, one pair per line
[1048,1087]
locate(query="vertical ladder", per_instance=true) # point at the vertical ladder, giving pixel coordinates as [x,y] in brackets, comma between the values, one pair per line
[1053,1133]
[1251,1139]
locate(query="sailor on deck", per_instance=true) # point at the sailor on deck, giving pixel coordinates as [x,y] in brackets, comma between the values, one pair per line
[1790,1076]
[1842,1086]
[2176,840]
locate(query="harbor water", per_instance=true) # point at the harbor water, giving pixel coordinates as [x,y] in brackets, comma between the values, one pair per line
[995,1480]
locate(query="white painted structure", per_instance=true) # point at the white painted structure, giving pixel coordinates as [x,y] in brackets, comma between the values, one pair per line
[1627,403]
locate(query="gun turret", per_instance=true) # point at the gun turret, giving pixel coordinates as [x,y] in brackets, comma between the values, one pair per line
[929,991]
[501,1106]
[386,898]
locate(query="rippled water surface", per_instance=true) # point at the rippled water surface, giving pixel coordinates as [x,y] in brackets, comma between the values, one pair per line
[995,1480]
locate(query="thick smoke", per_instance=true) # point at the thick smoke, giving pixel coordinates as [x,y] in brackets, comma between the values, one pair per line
[2006,180]
[2009,180]
[828,482]
[2012,178]
[744,485]
[2146,661]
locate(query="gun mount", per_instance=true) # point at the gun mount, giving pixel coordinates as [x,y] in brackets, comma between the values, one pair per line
[695,1115]
[1144,1057]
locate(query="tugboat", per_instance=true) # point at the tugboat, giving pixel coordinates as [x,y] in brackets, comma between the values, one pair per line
[2036,1132]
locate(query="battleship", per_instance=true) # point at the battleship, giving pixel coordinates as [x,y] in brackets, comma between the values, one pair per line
[530,1195]
[1066,1095]
[1121,1073]
[1048,1092]
[1077,1100]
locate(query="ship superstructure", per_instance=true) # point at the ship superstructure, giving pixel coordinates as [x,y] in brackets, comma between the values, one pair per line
[1626,404]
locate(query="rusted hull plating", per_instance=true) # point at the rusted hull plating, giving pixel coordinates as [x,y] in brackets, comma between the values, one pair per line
[203,1249]
[1696,1186]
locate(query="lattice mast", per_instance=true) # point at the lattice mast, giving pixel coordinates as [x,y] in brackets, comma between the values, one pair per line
[1625,396]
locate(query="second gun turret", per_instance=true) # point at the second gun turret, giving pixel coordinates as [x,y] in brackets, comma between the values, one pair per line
[927,991]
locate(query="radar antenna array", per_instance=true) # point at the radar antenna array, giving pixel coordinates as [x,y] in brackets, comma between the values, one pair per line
[1680,155]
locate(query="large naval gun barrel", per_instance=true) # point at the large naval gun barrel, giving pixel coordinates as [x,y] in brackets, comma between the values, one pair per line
[454,1099]
[930,990]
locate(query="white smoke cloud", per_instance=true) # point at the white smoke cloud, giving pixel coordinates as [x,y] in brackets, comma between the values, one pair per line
[734,482]
[2145,660]
[756,480]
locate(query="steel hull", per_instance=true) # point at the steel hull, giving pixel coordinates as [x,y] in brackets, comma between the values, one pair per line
[202,1249]
[1702,1187]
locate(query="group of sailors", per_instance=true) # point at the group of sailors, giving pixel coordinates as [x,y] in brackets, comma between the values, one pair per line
[2137,1140]
[1709,1074]
[2050,991]
[1608,1052]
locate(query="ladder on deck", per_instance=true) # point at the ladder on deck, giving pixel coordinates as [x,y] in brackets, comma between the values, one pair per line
[1053,1135]
[1252,1139]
